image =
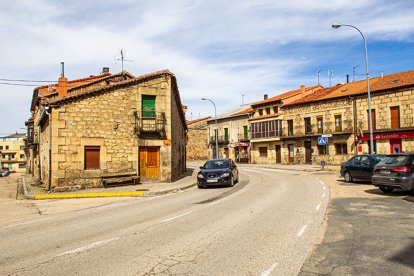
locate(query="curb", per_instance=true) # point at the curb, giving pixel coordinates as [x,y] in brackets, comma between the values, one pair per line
[158,193]
[90,195]
[26,194]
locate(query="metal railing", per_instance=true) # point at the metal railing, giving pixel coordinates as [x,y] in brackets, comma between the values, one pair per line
[152,126]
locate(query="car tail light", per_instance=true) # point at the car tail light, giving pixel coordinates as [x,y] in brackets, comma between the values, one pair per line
[376,168]
[401,169]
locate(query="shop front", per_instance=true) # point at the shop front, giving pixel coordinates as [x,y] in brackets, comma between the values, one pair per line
[395,140]
[242,152]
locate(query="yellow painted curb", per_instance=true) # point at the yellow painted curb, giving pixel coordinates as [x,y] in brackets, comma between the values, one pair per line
[110,194]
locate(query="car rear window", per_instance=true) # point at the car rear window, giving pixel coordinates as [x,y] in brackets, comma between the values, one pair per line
[216,164]
[379,158]
[395,160]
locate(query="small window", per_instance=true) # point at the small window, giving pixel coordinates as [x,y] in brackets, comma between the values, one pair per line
[148,106]
[21,155]
[267,110]
[22,147]
[275,109]
[338,123]
[6,147]
[260,112]
[92,160]
[22,166]
[341,148]
[263,151]
[290,127]
[1,147]
[319,121]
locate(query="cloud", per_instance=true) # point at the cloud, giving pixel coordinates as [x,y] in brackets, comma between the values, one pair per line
[217,49]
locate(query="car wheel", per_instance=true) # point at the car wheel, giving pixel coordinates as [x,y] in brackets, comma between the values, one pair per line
[347,177]
[231,184]
[386,189]
[200,187]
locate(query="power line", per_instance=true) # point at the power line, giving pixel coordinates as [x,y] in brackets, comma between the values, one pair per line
[25,80]
[18,84]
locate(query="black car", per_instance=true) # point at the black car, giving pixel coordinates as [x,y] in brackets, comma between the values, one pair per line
[396,171]
[360,167]
[4,171]
[218,172]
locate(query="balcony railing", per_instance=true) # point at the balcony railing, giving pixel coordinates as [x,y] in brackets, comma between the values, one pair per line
[243,137]
[151,127]
[267,134]
[221,139]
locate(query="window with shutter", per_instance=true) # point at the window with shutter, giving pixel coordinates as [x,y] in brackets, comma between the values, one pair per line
[395,117]
[148,106]
[92,160]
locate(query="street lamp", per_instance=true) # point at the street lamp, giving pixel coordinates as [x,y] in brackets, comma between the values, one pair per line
[215,118]
[371,140]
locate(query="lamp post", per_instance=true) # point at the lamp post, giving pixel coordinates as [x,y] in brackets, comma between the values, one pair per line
[371,140]
[215,118]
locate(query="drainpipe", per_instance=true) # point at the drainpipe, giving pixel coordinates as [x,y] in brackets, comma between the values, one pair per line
[49,114]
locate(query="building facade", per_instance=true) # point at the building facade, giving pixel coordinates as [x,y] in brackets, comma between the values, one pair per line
[267,126]
[83,129]
[12,152]
[332,125]
[232,131]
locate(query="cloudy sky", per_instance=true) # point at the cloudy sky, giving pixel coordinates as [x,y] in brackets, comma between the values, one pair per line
[220,50]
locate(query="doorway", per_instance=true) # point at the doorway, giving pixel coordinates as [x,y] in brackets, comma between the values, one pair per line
[278,154]
[308,152]
[291,153]
[395,145]
[149,163]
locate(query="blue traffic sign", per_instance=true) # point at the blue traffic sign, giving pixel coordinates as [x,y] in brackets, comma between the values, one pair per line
[321,140]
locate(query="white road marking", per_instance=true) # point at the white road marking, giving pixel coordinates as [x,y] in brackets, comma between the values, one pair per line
[323,196]
[92,245]
[318,207]
[176,217]
[247,170]
[324,187]
[300,232]
[269,271]
[23,223]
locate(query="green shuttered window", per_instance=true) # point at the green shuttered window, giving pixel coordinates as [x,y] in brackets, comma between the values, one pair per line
[148,106]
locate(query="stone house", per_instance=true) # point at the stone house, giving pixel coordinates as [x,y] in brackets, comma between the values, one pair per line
[341,113]
[197,144]
[83,129]
[266,126]
[12,152]
[233,134]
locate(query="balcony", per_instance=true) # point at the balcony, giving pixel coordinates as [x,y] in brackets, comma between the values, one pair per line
[221,139]
[151,127]
[243,137]
[267,134]
[346,126]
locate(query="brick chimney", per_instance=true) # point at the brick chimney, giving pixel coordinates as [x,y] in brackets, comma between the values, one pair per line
[302,90]
[62,87]
[265,97]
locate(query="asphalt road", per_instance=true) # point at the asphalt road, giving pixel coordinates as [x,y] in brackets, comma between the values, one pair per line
[265,225]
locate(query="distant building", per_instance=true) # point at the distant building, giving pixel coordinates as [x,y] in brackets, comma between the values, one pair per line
[197,144]
[12,152]
[232,134]
[84,129]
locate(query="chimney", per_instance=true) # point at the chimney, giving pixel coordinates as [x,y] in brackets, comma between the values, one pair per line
[265,96]
[347,78]
[105,70]
[62,87]
[302,90]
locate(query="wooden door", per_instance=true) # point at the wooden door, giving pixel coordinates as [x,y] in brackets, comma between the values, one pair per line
[278,154]
[149,163]
[308,152]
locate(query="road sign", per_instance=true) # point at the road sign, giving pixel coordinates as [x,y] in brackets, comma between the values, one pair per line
[321,140]
[326,135]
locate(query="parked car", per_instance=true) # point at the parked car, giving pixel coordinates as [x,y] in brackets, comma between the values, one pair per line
[396,171]
[4,172]
[218,172]
[360,167]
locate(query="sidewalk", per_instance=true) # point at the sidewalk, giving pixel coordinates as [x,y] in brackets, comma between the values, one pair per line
[145,189]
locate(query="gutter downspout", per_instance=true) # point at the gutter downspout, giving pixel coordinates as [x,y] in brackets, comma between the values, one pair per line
[49,114]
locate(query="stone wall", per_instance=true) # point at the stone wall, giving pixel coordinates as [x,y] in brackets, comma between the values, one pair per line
[197,145]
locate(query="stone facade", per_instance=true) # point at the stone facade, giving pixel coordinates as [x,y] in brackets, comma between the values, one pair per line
[108,117]
[233,134]
[197,145]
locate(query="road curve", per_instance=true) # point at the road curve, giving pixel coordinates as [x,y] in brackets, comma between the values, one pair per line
[264,225]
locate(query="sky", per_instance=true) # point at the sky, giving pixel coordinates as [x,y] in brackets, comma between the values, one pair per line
[231,52]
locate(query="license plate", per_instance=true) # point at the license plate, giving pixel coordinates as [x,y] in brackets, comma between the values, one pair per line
[212,180]
[385,171]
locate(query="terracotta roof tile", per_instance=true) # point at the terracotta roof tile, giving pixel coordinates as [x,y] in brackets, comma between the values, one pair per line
[244,111]
[285,95]
[314,96]
[265,116]
[197,120]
